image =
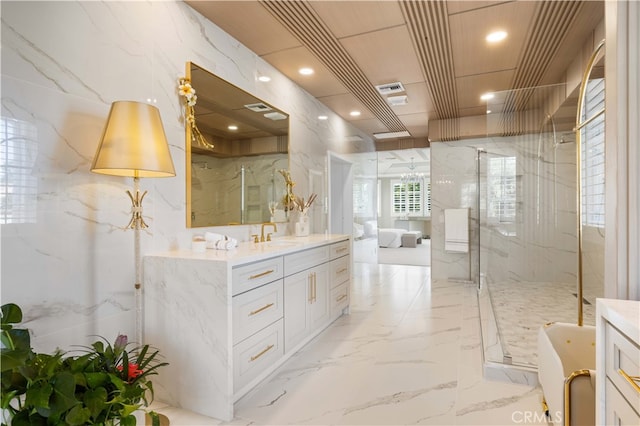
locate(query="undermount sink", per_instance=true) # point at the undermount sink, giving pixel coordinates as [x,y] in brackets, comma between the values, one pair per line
[282,243]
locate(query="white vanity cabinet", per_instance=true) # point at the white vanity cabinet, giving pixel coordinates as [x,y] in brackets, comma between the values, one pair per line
[316,289]
[618,362]
[306,304]
[306,295]
[225,320]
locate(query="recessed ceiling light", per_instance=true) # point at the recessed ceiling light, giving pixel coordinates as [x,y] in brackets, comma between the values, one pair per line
[323,117]
[233,127]
[275,116]
[398,100]
[354,113]
[488,111]
[496,36]
[487,96]
[305,71]
[264,78]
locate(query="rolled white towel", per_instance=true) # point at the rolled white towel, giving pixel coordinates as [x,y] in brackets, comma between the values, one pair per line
[227,244]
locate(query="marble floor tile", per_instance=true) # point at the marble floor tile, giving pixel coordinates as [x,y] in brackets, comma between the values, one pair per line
[521,308]
[409,353]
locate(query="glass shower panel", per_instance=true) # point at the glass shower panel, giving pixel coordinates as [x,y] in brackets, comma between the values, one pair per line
[528,221]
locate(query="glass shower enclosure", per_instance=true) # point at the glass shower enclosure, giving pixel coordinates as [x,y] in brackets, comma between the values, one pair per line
[527,222]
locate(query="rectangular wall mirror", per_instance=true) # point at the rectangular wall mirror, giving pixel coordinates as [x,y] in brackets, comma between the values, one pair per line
[237,181]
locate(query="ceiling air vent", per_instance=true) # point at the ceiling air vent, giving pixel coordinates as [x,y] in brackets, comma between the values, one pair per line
[390,88]
[259,107]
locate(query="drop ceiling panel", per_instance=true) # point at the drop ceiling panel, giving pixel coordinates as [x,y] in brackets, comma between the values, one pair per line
[472,54]
[321,83]
[347,18]
[470,88]
[385,56]
[416,124]
[454,7]
[345,103]
[249,23]
[371,126]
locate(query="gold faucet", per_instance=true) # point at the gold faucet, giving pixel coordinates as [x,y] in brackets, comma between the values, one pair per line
[275,229]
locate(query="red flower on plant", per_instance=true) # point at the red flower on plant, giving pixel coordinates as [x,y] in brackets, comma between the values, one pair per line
[134,371]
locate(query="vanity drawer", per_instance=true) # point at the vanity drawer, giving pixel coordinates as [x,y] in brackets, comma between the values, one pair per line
[339,271]
[296,262]
[247,277]
[256,354]
[619,412]
[622,365]
[340,249]
[339,299]
[255,309]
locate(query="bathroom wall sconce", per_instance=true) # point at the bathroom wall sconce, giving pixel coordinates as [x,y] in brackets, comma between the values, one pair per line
[134,144]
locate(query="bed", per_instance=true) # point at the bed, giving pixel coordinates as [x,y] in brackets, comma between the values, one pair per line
[390,237]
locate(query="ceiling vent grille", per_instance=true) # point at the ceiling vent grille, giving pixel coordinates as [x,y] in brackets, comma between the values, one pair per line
[259,107]
[390,88]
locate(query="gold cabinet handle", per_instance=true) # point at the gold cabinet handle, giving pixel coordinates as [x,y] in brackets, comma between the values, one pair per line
[341,249]
[631,379]
[261,274]
[257,311]
[264,351]
[310,288]
[314,287]
[341,271]
[344,296]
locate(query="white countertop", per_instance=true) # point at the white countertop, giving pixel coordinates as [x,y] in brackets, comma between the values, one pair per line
[623,314]
[249,251]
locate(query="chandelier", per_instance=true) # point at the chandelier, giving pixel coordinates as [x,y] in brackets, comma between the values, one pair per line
[412,176]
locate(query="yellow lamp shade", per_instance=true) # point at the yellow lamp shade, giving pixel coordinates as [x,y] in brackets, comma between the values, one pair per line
[133,143]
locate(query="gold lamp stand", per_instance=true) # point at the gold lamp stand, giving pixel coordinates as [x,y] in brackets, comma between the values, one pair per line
[134,145]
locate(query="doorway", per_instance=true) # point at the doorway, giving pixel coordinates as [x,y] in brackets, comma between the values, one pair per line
[340,194]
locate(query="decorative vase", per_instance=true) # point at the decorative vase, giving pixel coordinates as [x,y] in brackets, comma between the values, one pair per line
[302,226]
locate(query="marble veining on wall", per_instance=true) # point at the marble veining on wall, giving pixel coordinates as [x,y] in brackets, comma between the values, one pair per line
[68,261]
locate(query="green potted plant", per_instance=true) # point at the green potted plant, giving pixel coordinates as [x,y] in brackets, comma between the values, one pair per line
[103,385]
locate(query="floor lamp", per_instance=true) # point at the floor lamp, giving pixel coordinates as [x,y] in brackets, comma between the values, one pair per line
[133,144]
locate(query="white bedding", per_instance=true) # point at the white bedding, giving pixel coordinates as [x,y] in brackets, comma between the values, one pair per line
[390,237]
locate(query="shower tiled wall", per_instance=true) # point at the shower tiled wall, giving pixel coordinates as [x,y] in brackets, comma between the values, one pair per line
[540,245]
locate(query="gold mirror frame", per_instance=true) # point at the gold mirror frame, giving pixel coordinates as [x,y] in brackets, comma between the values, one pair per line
[232,177]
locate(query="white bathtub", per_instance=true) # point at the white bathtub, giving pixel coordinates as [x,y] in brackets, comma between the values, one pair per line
[567,361]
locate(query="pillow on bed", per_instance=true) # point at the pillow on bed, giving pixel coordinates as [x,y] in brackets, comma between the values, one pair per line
[370,228]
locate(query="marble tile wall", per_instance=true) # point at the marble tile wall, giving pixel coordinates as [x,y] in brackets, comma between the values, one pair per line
[453,185]
[68,261]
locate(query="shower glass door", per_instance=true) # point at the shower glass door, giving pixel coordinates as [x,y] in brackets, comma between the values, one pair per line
[527,266]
